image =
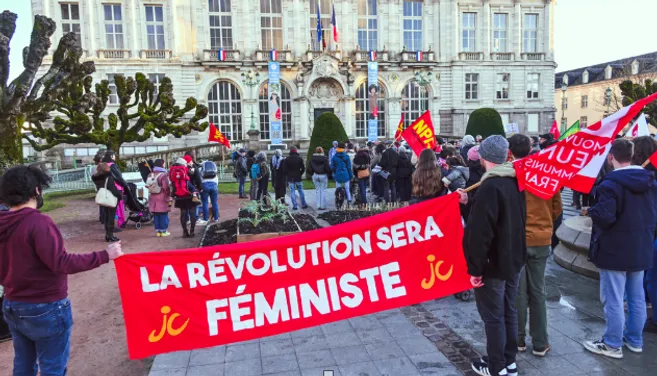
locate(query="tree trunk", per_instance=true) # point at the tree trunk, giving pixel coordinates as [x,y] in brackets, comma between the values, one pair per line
[11,148]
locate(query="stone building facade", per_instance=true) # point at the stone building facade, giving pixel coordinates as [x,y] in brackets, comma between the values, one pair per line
[475,53]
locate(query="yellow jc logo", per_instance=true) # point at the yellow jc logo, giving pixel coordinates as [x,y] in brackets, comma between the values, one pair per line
[435,273]
[167,326]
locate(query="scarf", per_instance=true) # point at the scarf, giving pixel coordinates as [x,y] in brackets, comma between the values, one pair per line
[276,161]
[159,169]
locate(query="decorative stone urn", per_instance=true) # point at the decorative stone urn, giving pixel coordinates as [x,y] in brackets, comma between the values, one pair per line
[573,250]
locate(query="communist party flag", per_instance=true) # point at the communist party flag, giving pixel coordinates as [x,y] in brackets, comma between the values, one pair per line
[400,128]
[554,130]
[420,135]
[217,136]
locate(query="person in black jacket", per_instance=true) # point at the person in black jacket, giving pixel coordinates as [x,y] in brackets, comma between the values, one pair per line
[253,186]
[241,172]
[320,170]
[404,175]
[103,179]
[121,185]
[278,177]
[389,162]
[293,167]
[361,166]
[495,251]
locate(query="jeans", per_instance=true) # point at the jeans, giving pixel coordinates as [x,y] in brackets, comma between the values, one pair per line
[321,183]
[388,190]
[242,181]
[211,191]
[496,303]
[346,189]
[531,294]
[299,187]
[651,279]
[161,222]
[612,286]
[41,332]
[362,185]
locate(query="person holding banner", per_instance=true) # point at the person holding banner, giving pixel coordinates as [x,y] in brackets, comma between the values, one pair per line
[495,251]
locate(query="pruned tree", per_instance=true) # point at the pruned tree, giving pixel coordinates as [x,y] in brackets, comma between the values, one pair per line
[633,91]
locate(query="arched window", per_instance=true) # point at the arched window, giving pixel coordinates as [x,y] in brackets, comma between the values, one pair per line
[415,101]
[225,109]
[286,112]
[363,111]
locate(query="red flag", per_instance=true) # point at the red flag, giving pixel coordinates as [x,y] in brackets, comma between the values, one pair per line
[400,128]
[555,130]
[420,135]
[575,161]
[652,159]
[217,136]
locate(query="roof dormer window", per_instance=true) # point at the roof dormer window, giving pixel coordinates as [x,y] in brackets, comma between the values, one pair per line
[635,67]
[585,77]
[608,72]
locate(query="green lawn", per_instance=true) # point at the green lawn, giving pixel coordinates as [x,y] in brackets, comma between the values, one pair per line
[56,200]
[232,188]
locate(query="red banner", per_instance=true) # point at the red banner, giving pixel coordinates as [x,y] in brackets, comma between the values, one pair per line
[420,135]
[575,161]
[216,136]
[400,128]
[188,299]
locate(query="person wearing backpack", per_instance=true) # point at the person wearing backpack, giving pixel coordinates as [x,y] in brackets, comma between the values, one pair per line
[260,175]
[342,171]
[241,171]
[182,191]
[210,191]
[253,185]
[159,196]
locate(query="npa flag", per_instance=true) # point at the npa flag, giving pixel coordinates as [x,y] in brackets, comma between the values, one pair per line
[273,55]
[652,159]
[570,131]
[400,128]
[372,55]
[221,55]
[575,161]
[320,40]
[210,296]
[420,135]
[640,128]
[217,136]
[554,131]
[418,56]
[334,23]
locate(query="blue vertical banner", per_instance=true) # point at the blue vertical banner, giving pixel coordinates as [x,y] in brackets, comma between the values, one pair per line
[373,97]
[274,96]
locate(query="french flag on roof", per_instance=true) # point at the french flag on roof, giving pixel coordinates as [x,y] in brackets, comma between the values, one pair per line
[418,56]
[273,55]
[221,54]
[372,55]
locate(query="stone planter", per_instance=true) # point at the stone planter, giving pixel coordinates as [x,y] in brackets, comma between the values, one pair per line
[573,250]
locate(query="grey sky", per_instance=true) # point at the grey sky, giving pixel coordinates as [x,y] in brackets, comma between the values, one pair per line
[586,31]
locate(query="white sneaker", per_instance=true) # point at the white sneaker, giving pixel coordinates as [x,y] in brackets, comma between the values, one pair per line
[633,349]
[201,222]
[599,347]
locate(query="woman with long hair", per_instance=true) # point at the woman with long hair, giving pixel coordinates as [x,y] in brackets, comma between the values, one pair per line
[427,178]
[121,185]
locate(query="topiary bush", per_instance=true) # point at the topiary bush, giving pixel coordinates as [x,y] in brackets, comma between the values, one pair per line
[485,122]
[328,128]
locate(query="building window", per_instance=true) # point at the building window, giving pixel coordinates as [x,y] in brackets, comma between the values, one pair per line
[532,123]
[585,77]
[532,85]
[155,27]
[367,25]
[471,85]
[113,97]
[221,24]
[635,67]
[415,101]
[413,25]
[271,24]
[469,30]
[113,26]
[325,10]
[156,79]
[500,25]
[583,122]
[363,111]
[502,85]
[70,18]
[225,109]
[286,112]
[585,101]
[608,72]
[530,32]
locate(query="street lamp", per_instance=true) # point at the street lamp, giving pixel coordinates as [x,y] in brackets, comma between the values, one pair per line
[251,79]
[608,99]
[564,87]
[424,79]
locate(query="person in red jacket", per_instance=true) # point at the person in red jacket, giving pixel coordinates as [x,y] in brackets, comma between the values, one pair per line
[34,268]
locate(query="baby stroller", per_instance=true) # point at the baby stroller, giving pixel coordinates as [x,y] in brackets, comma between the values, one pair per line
[464,296]
[138,209]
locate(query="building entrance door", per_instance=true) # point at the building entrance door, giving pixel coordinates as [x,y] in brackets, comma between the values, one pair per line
[319,111]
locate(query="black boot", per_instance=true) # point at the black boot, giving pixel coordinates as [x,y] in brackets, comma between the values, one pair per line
[111,239]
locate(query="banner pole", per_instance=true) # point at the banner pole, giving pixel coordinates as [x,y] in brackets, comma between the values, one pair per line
[646,163]
[472,187]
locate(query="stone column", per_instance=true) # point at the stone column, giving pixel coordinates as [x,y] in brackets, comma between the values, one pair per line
[486,30]
[394,114]
[304,114]
[349,115]
[517,31]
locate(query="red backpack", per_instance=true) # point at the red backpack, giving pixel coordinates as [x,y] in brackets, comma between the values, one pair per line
[179,178]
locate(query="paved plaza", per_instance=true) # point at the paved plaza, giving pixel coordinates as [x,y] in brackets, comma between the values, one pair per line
[437,337]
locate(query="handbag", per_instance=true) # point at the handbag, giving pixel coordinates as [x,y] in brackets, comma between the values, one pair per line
[105,198]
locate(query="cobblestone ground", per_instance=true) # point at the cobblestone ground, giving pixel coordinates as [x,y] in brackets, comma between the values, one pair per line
[438,337]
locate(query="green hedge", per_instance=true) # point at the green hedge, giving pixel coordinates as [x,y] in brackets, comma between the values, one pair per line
[485,122]
[328,128]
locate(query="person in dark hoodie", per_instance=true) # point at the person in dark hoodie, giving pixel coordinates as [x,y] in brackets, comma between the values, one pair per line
[294,168]
[34,273]
[104,179]
[362,172]
[495,251]
[624,221]
[320,170]
[405,170]
[389,162]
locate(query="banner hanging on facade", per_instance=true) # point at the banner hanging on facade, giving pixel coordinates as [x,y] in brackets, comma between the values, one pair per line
[373,97]
[274,95]
[196,298]
[420,135]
